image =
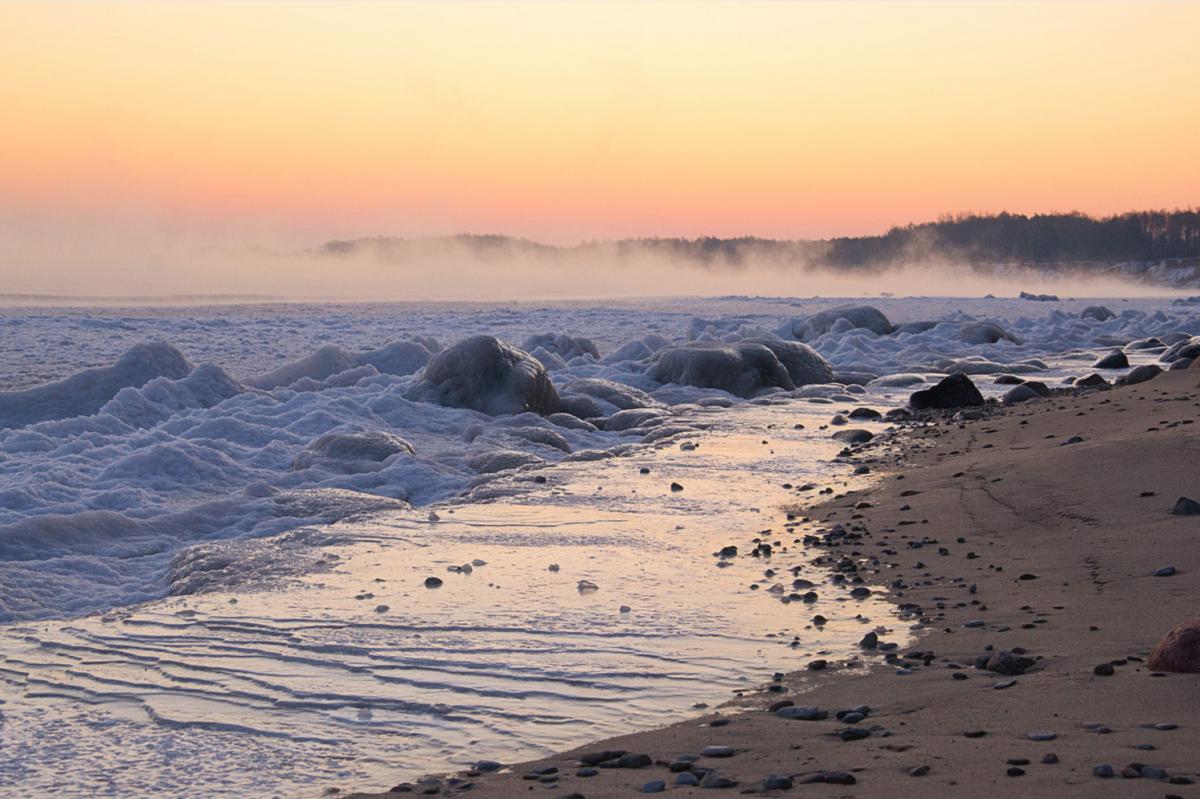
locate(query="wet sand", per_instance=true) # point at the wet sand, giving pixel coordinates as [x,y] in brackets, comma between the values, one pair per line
[1008,538]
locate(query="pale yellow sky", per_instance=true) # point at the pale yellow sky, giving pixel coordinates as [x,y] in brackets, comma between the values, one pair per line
[234,122]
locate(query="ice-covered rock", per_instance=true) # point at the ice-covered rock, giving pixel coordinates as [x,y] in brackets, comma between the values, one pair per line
[985,333]
[398,358]
[804,364]
[85,393]
[485,374]
[607,396]
[352,451]
[1097,312]
[741,369]
[855,316]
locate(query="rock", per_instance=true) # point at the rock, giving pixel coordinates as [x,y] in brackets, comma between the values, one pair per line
[687,778]
[1186,507]
[717,751]
[633,760]
[1007,663]
[717,781]
[918,771]
[1140,374]
[1104,670]
[631,418]
[1025,295]
[1165,571]
[985,333]
[352,452]
[741,369]
[854,435]
[857,316]
[1103,770]
[1091,381]
[485,766]
[433,582]
[485,374]
[804,365]
[1114,360]
[1097,312]
[777,782]
[1179,650]
[865,413]
[802,713]
[955,391]
[1042,736]
[654,786]
[1018,394]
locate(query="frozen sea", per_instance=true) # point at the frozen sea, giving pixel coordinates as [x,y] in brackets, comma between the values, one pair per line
[197,598]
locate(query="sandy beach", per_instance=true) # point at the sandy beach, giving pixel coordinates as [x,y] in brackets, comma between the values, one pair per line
[1035,530]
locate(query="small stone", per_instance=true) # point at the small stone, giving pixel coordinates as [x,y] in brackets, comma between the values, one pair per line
[687,778]
[776,782]
[654,786]
[918,771]
[1016,772]
[718,751]
[1103,771]
[676,487]
[802,713]
[433,582]
[1186,507]
[717,781]
[1165,571]
[1104,670]
[1049,759]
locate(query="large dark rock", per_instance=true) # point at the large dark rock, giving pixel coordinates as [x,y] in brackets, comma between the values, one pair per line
[486,374]
[740,368]
[1179,651]
[955,391]
[1114,360]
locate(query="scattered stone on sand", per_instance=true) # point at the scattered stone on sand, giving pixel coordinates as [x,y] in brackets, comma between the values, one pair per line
[1179,650]
[1185,506]
[853,435]
[433,582]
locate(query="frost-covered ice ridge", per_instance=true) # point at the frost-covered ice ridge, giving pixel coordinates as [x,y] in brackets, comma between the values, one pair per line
[129,435]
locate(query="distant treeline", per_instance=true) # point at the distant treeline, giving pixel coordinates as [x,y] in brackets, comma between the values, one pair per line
[1043,239]
[1037,239]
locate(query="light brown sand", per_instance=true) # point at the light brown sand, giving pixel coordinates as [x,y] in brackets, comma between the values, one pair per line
[1072,516]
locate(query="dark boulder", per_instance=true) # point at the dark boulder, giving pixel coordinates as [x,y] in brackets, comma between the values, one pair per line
[1179,651]
[955,391]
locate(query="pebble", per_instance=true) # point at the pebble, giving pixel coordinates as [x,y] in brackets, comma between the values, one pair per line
[1042,736]
[1016,772]
[777,782]
[1104,771]
[918,771]
[654,786]
[1165,571]
[718,751]
[1104,670]
[802,713]
[433,582]
[687,778]
[1049,759]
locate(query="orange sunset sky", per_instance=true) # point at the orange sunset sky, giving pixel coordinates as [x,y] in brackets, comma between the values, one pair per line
[226,124]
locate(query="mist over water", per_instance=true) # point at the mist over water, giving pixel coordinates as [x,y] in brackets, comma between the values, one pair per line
[448,270]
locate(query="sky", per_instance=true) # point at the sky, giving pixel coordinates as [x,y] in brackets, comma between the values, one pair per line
[134,132]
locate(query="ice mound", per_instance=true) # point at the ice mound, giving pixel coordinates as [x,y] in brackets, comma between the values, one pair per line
[855,316]
[742,369]
[487,375]
[637,350]
[162,397]
[397,358]
[566,347]
[251,565]
[84,393]
[352,452]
